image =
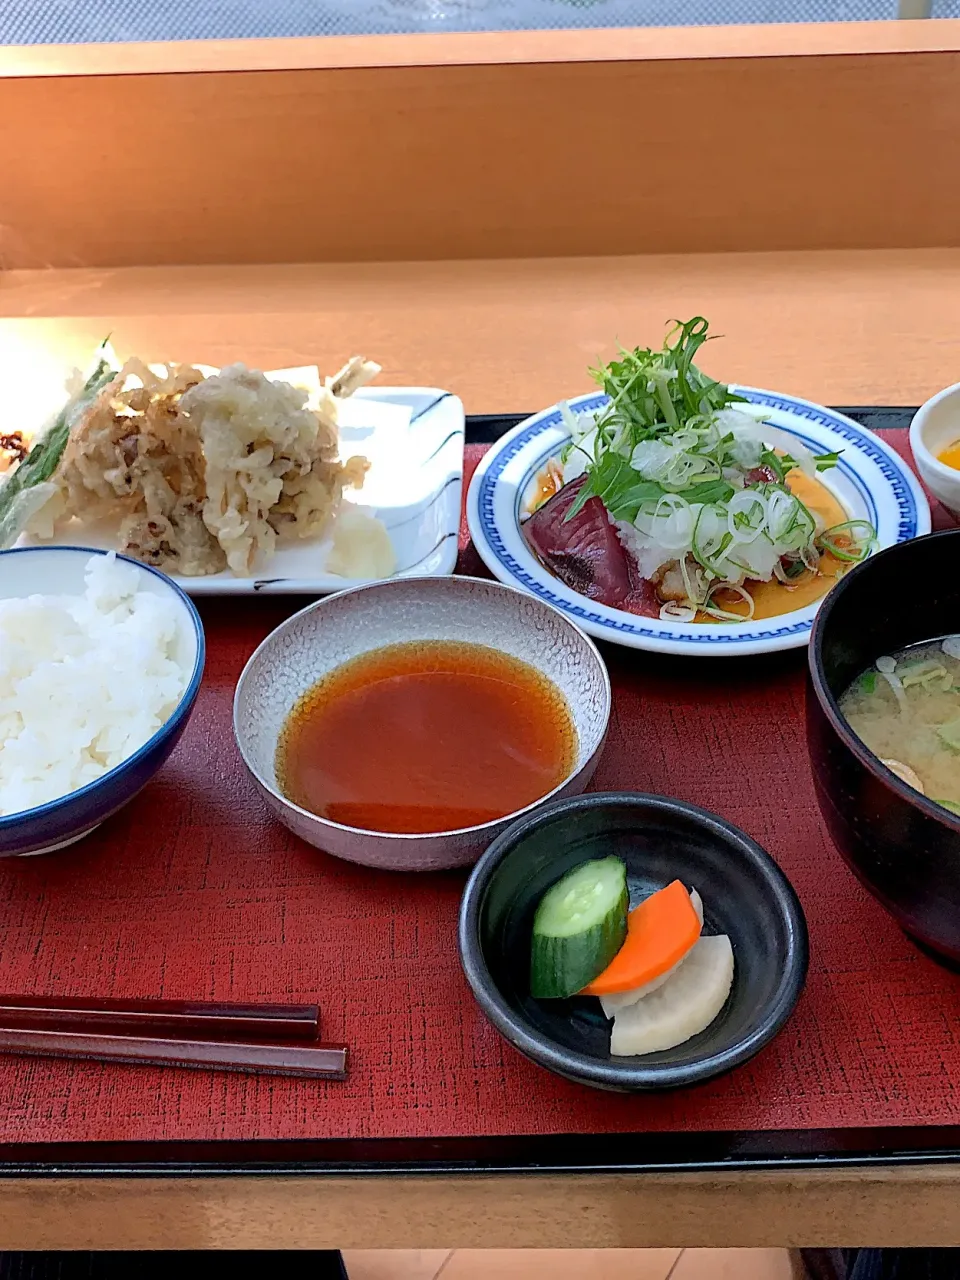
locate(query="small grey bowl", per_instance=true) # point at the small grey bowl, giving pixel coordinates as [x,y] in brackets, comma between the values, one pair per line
[329,633]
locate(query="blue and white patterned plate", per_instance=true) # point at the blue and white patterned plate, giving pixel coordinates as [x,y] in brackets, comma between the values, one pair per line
[871,481]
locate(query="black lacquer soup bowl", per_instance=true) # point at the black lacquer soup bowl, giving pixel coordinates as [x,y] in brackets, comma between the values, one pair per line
[904,848]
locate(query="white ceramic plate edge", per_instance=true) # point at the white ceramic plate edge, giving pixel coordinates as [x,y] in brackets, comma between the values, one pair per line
[771,635]
[443,449]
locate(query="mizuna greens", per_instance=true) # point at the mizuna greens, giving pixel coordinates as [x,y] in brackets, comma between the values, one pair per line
[18,492]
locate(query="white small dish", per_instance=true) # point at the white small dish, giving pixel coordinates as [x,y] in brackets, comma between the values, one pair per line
[936,426]
[328,633]
[871,482]
[413,438]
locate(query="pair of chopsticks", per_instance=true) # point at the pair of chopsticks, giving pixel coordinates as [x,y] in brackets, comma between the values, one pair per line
[272,1039]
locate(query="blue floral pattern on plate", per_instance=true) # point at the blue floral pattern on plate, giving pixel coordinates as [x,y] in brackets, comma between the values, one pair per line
[871,480]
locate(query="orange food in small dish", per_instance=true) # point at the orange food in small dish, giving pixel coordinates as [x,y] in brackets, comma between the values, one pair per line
[660,932]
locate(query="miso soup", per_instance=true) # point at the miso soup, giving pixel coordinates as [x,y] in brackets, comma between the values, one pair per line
[906,710]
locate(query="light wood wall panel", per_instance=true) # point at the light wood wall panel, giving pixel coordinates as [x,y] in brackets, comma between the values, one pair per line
[471,160]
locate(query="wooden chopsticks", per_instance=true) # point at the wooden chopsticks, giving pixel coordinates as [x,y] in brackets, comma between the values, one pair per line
[272,1039]
[286,1058]
[163,1017]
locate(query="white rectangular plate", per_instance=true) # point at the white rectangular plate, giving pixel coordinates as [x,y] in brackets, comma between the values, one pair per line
[413,438]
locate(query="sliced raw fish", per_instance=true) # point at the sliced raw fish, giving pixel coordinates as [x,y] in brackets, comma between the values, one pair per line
[682,1007]
[612,1004]
[584,552]
[761,475]
[643,598]
[587,555]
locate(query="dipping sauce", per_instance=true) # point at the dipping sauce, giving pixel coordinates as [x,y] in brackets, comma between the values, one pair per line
[951,456]
[426,736]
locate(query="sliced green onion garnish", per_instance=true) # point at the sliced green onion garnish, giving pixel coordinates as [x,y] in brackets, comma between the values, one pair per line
[861,533]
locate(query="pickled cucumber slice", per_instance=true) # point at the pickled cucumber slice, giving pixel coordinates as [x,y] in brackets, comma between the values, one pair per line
[579,927]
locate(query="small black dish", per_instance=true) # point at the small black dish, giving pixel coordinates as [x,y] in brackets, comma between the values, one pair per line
[745,895]
[904,848]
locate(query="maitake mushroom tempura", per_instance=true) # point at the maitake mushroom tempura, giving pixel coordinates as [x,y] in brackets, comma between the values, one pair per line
[676,499]
[197,470]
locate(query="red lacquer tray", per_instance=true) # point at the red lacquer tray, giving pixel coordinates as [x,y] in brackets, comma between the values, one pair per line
[193,891]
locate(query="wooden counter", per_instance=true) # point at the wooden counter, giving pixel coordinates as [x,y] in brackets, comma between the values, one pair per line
[869,327]
[839,327]
[882,1207]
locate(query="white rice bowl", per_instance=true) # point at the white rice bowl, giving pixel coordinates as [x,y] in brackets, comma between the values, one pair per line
[85,680]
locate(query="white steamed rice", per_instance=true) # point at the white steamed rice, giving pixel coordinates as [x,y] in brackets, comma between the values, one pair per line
[85,681]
